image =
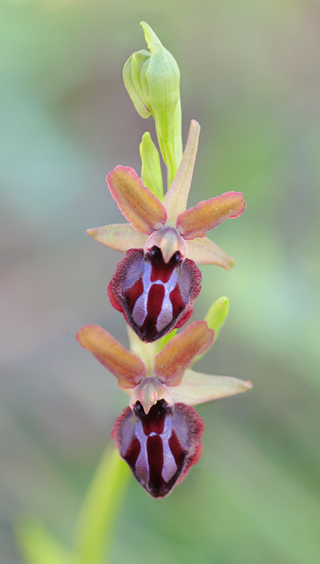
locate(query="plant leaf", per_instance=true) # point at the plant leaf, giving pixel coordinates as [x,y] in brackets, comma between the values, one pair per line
[39,546]
[95,528]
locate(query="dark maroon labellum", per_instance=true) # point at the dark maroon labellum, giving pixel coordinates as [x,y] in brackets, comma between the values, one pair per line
[161,446]
[154,296]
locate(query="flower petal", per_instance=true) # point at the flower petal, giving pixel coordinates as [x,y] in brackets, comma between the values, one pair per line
[204,251]
[154,297]
[178,354]
[125,365]
[160,447]
[176,198]
[137,203]
[120,237]
[195,222]
[198,388]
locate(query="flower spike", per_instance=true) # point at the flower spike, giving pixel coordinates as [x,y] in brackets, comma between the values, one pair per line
[156,283]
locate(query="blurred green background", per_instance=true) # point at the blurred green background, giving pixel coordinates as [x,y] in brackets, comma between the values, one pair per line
[251,77]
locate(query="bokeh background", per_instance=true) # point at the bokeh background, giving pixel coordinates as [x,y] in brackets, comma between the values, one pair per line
[250,74]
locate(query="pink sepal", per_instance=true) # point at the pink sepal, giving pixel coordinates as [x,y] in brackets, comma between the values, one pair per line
[137,203]
[195,222]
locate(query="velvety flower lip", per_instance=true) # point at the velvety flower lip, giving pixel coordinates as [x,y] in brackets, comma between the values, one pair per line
[159,434]
[155,298]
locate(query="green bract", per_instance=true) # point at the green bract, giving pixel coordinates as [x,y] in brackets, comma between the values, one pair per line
[150,166]
[217,314]
[152,80]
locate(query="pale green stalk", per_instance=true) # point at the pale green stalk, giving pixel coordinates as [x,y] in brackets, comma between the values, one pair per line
[100,510]
[95,526]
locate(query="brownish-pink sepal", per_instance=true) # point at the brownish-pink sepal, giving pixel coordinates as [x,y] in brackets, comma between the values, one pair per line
[176,198]
[178,354]
[120,237]
[137,203]
[204,251]
[125,365]
[196,388]
[195,222]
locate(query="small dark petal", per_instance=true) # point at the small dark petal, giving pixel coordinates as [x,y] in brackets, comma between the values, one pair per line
[159,447]
[153,296]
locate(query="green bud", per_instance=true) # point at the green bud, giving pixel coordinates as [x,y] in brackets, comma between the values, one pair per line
[151,170]
[215,319]
[160,82]
[217,314]
[152,80]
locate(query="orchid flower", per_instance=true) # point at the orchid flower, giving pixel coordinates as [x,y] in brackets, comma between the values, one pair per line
[159,434]
[156,283]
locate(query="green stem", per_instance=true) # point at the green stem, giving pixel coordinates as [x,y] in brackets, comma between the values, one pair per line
[100,510]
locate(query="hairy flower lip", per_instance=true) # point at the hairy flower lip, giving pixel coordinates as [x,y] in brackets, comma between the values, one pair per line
[160,447]
[154,297]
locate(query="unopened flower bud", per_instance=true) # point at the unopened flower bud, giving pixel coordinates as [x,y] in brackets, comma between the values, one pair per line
[152,80]
[153,83]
